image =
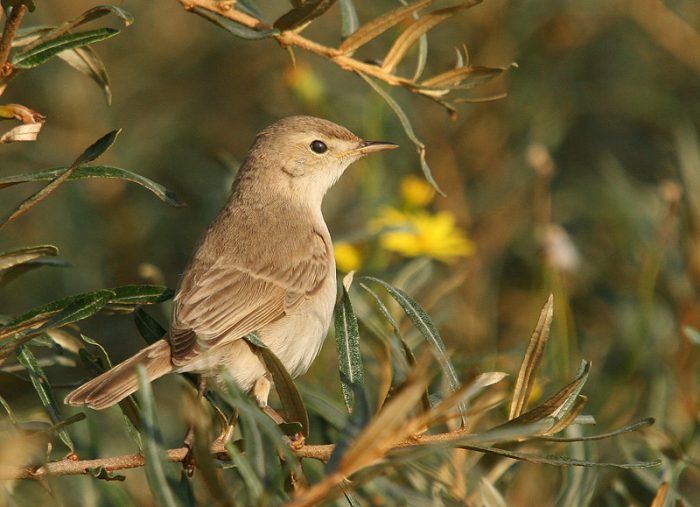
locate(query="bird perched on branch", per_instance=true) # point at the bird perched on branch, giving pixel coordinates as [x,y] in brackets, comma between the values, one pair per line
[265,264]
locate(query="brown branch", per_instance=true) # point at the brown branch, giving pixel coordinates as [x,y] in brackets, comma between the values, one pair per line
[291,38]
[8,35]
[81,467]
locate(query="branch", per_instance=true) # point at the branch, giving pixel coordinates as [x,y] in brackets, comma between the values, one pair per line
[290,38]
[8,35]
[81,467]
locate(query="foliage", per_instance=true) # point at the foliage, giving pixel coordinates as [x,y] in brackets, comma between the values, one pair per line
[421,423]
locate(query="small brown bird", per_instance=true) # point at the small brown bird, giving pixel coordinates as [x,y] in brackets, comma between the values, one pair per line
[265,264]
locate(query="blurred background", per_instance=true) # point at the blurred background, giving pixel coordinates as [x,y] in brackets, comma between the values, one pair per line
[584,181]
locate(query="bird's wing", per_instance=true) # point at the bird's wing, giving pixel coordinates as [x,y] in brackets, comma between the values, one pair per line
[224,300]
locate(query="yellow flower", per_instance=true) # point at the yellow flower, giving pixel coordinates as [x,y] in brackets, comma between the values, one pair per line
[305,83]
[418,233]
[347,257]
[416,192]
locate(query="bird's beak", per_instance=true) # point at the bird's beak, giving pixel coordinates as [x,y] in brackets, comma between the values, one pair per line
[366,147]
[372,146]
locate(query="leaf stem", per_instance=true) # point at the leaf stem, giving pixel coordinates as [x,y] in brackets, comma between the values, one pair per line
[12,24]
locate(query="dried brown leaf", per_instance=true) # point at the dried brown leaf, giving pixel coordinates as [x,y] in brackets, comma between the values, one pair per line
[558,407]
[532,359]
[379,25]
[661,495]
[22,133]
[390,425]
[464,77]
[417,29]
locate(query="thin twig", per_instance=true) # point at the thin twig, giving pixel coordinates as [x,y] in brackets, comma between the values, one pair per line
[291,38]
[8,35]
[82,467]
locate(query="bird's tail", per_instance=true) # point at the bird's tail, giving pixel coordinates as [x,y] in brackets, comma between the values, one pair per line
[116,384]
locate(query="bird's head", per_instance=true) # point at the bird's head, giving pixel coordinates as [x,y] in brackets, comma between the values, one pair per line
[307,154]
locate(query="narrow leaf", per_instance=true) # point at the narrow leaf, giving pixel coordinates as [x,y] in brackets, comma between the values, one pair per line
[34,56]
[22,133]
[98,12]
[422,57]
[91,153]
[43,389]
[104,474]
[86,61]
[558,406]
[425,325]
[379,25]
[157,471]
[14,272]
[463,78]
[347,340]
[294,408]
[150,329]
[557,460]
[253,484]
[26,254]
[408,128]
[80,308]
[306,12]
[628,428]
[85,172]
[348,18]
[532,359]
[97,148]
[141,294]
[231,26]
[417,29]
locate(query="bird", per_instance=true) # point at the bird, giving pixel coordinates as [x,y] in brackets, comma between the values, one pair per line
[265,264]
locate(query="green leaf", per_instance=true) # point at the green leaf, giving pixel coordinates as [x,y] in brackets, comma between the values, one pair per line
[250,478]
[8,409]
[150,328]
[347,340]
[408,352]
[558,460]
[141,294]
[358,421]
[17,271]
[263,442]
[104,474]
[91,153]
[408,128]
[306,12]
[98,12]
[97,148]
[231,26]
[425,325]
[293,406]
[248,7]
[158,471]
[348,17]
[86,61]
[25,254]
[84,172]
[43,389]
[98,364]
[34,56]
[628,428]
[80,308]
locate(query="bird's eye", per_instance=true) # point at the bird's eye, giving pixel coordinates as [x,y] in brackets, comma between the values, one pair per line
[318,147]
